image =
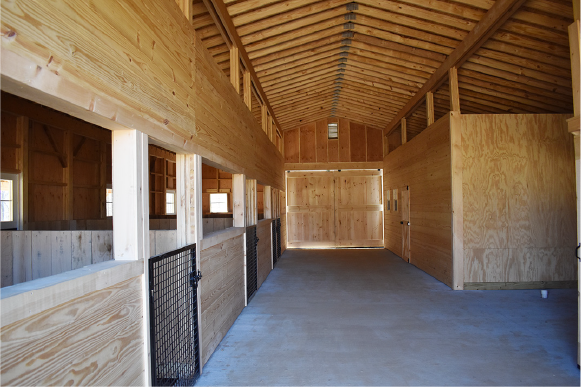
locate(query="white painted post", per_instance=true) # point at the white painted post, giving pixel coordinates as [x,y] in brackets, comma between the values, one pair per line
[267,200]
[130,195]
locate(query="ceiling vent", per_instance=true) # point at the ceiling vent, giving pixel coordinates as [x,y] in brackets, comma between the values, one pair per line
[342,60]
[343,54]
[352,6]
[348,26]
[345,48]
[348,34]
[342,65]
[350,16]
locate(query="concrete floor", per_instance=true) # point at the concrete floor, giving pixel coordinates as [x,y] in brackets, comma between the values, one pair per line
[364,317]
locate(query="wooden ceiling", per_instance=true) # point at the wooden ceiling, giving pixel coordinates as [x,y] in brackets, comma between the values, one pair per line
[364,60]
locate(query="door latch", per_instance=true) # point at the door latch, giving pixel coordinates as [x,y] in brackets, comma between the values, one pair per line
[195,278]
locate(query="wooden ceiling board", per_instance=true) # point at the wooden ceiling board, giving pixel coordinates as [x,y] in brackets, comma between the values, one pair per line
[389,51]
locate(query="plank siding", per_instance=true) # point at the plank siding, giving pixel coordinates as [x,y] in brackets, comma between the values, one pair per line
[423,164]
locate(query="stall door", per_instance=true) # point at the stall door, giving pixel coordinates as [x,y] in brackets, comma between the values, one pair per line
[335,209]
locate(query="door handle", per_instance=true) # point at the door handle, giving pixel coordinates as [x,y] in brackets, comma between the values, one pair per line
[577,251]
[408,223]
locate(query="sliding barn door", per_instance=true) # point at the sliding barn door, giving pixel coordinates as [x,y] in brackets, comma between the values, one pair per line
[359,208]
[310,211]
[335,209]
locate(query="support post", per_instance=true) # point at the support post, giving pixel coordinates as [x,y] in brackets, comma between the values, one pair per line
[251,210]
[454,91]
[235,68]
[130,195]
[267,194]
[430,107]
[239,202]
[404,131]
[247,89]
[270,128]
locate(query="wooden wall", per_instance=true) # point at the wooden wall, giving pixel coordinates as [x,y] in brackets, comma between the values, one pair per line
[221,287]
[162,176]
[66,162]
[28,255]
[264,249]
[518,199]
[283,232]
[93,340]
[183,100]
[309,144]
[215,180]
[423,164]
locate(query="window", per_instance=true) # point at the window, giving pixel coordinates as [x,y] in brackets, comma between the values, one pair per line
[388,201]
[170,202]
[218,202]
[9,201]
[109,201]
[332,130]
[395,200]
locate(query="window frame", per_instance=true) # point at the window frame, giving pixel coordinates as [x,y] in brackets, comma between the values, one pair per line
[218,212]
[170,191]
[15,223]
[109,186]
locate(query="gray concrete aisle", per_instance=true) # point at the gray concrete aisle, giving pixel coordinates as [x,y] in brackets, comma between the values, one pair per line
[364,317]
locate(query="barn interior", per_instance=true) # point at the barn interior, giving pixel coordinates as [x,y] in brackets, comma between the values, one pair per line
[155,152]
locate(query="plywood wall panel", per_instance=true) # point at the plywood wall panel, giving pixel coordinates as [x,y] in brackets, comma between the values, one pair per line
[518,198]
[423,164]
[308,149]
[221,291]
[333,151]
[357,142]
[291,146]
[91,340]
[9,140]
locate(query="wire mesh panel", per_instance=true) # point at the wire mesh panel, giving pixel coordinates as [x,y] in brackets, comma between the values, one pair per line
[173,284]
[251,262]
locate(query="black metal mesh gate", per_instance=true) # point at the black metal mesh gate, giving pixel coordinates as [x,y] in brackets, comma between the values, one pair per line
[251,262]
[173,295]
[275,241]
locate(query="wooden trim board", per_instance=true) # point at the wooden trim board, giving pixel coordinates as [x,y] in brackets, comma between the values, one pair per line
[520,285]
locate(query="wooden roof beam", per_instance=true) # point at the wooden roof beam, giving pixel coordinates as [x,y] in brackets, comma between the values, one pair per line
[486,27]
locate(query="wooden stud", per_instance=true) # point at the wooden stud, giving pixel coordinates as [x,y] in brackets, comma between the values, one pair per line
[247,89]
[404,131]
[235,68]
[187,8]
[430,107]
[270,129]
[454,92]
[130,195]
